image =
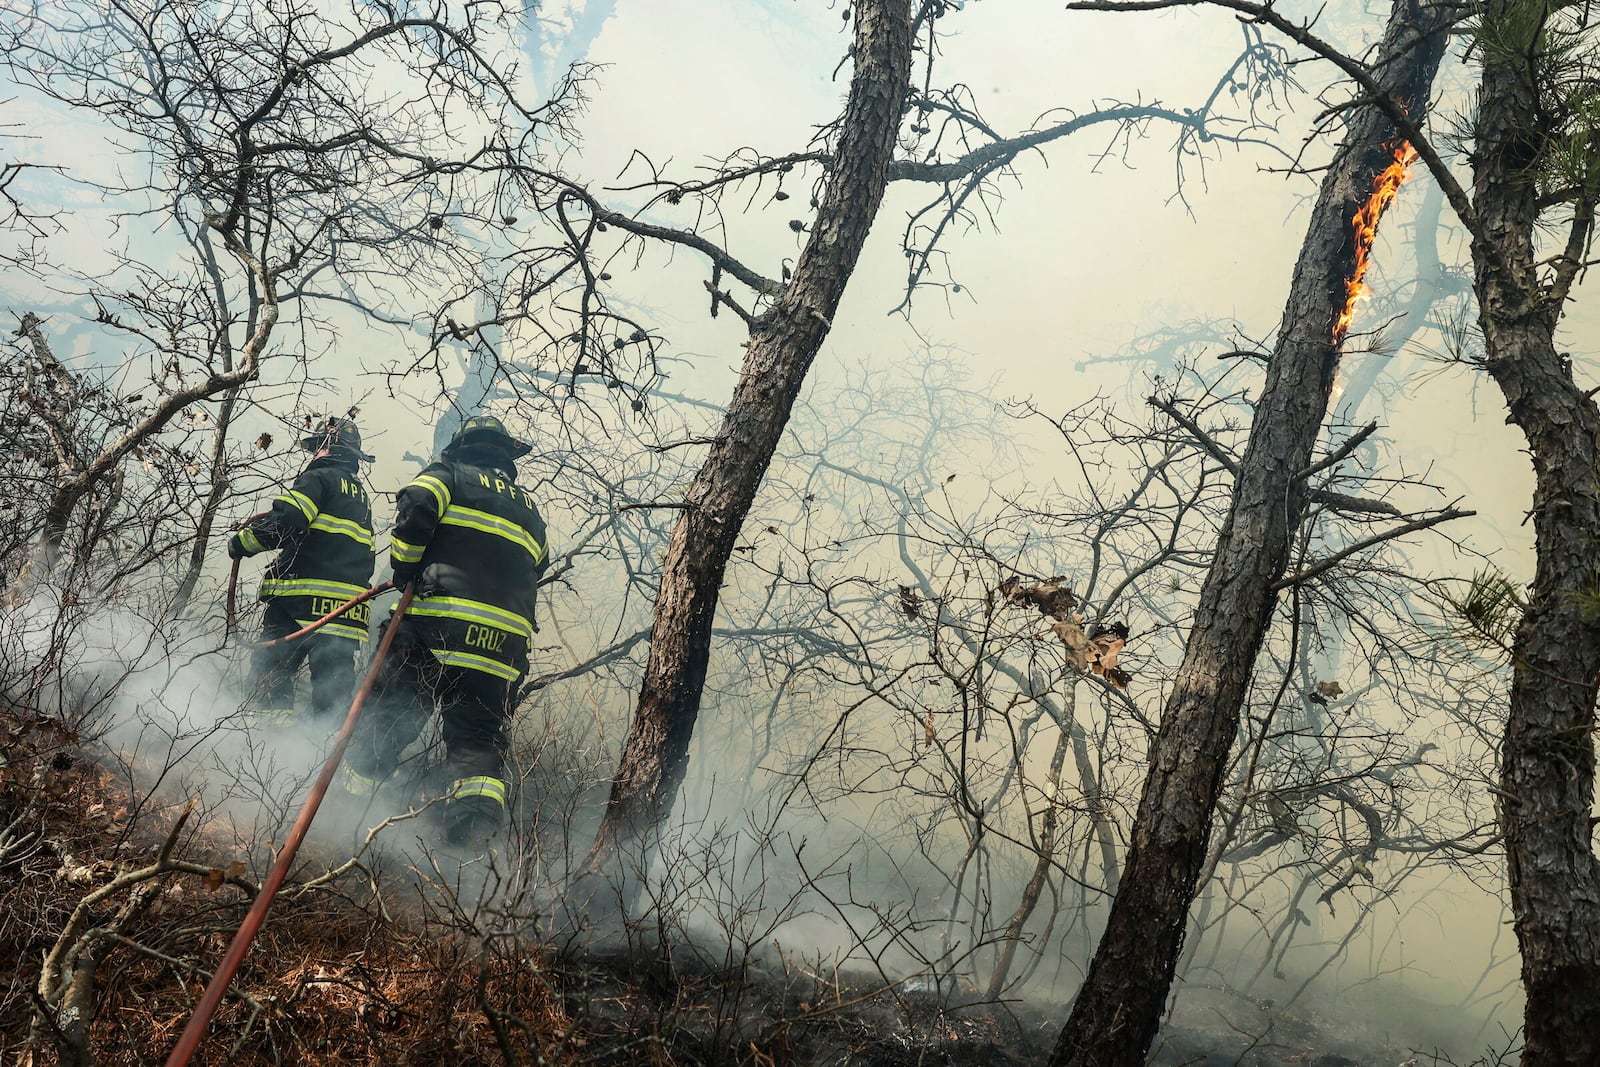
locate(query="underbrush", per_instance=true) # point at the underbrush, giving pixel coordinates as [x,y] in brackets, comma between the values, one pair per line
[115,906]
[127,904]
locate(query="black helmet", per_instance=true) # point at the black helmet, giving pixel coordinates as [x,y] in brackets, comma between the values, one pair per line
[486,430]
[338,436]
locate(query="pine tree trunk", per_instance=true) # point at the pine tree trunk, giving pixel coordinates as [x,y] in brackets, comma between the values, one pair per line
[783,342]
[1117,1011]
[1548,756]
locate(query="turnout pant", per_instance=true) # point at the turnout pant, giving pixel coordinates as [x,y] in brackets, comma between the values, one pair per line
[411,683]
[272,670]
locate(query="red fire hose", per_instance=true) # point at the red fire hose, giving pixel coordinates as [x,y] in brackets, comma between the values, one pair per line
[233,580]
[233,592]
[200,1021]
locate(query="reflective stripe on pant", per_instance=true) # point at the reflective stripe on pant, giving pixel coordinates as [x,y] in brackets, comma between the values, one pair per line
[272,670]
[472,705]
[481,785]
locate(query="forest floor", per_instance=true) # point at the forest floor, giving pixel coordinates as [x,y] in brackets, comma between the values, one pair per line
[343,975]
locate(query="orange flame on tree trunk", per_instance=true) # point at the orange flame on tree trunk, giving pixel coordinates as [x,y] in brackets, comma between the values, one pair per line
[1365,225]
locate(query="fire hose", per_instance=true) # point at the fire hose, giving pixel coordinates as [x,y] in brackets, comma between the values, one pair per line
[233,592]
[200,1021]
[232,619]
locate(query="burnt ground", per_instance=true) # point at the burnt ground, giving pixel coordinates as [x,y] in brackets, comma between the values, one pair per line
[341,976]
[700,1013]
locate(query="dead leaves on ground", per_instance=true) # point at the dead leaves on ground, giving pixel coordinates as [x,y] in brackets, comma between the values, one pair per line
[1094,652]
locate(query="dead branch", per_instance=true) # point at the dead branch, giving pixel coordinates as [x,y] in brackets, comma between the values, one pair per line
[66,986]
[1338,455]
[687,238]
[1352,504]
[1326,564]
[1206,441]
[1393,110]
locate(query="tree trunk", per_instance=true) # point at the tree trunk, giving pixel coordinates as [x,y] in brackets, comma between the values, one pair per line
[1117,1011]
[1548,756]
[783,342]
[208,509]
[1045,845]
[219,443]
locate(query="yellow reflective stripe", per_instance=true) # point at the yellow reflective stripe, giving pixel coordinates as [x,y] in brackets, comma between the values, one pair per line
[339,628]
[481,786]
[404,551]
[482,521]
[346,527]
[310,587]
[356,783]
[454,607]
[301,501]
[440,491]
[473,662]
[251,542]
[273,714]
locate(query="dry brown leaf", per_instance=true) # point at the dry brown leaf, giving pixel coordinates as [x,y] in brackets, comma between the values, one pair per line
[1077,642]
[1108,642]
[1106,648]
[928,733]
[1118,677]
[1330,689]
[1051,596]
[214,879]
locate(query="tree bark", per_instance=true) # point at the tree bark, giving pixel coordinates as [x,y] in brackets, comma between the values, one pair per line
[1115,1016]
[783,342]
[1548,755]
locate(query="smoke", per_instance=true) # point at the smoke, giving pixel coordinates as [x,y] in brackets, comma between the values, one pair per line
[164,704]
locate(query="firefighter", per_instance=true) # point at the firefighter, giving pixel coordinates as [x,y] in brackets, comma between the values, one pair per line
[323,529]
[475,545]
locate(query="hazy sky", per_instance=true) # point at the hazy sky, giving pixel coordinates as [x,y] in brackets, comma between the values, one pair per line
[1083,257]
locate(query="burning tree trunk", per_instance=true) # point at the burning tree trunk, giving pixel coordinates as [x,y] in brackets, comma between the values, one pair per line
[1548,756]
[783,342]
[1116,1014]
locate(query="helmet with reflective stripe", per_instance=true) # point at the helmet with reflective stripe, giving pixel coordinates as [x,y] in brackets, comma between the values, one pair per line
[486,430]
[338,436]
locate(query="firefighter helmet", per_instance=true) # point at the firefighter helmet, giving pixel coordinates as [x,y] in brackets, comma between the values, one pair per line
[486,430]
[338,436]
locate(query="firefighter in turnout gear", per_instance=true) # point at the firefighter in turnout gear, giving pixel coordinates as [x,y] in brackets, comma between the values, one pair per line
[322,528]
[475,545]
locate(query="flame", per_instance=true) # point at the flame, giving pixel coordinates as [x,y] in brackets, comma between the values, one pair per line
[1365,225]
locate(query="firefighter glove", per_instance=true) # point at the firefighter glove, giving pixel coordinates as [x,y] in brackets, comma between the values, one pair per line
[236,549]
[405,573]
